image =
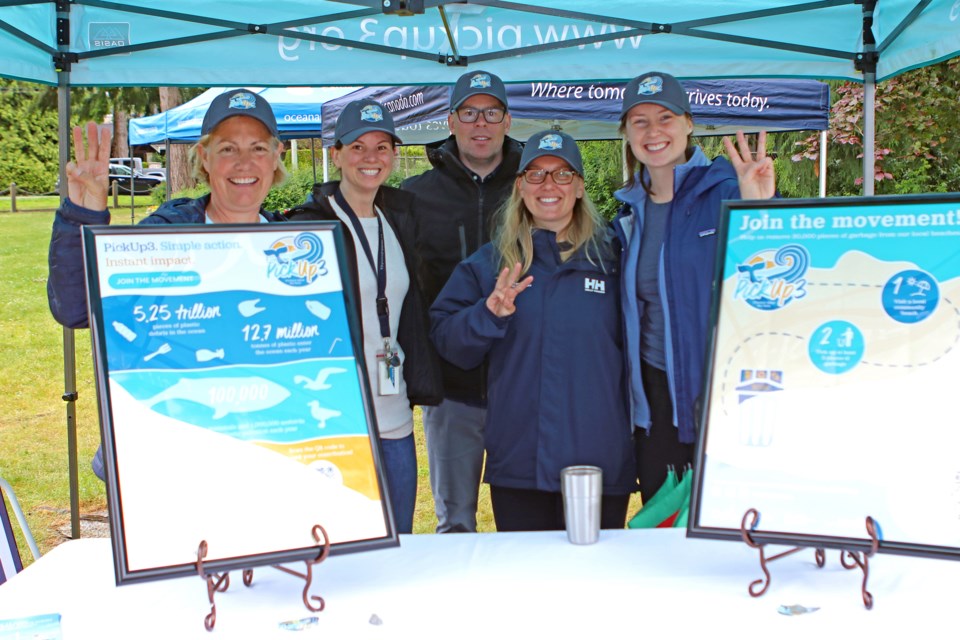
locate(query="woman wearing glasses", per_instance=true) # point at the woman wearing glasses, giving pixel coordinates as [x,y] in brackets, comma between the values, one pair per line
[541,301]
[668,224]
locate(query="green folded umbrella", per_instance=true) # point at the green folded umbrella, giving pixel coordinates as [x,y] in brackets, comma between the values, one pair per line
[666,504]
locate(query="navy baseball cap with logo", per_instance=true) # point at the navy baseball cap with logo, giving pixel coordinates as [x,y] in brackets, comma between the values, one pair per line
[239,102]
[551,143]
[656,88]
[363,116]
[475,83]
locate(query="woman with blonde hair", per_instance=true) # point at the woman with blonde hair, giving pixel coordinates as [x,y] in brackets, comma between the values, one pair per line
[239,156]
[540,304]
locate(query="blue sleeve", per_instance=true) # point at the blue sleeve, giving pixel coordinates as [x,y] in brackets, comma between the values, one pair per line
[461,326]
[66,283]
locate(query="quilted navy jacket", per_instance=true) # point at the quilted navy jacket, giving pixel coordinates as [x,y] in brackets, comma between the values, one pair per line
[66,284]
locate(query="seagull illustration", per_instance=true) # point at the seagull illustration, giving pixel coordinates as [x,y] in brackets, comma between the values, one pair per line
[320,383]
[322,414]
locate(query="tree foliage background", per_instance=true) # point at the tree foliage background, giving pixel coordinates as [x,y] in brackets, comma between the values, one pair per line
[28,126]
[916,148]
[28,139]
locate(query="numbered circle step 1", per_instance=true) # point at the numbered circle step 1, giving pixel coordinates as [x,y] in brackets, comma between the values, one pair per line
[910,296]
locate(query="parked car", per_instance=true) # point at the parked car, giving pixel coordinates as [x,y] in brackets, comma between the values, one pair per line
[142,184]
[160,172]
[134,163]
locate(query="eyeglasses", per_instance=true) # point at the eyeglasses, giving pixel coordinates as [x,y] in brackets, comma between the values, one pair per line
[560,176]
[492,115]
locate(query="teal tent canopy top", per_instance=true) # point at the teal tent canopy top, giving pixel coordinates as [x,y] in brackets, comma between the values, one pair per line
[352,42]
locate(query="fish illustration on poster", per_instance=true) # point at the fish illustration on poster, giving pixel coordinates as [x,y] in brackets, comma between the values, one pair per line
[234,349]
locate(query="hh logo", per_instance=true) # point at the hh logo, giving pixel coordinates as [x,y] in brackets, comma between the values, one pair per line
[593,285]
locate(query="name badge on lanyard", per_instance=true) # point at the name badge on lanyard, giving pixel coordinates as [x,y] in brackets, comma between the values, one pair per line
[388,360]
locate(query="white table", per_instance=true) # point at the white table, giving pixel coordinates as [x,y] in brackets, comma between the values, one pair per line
[493,586]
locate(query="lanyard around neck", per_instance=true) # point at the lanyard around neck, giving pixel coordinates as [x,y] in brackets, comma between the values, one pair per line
[379,269]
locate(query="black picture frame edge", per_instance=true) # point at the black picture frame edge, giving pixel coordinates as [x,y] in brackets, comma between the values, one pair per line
[122,573]
[694,530]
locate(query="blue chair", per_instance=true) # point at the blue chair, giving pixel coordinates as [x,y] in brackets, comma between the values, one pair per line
[10,563]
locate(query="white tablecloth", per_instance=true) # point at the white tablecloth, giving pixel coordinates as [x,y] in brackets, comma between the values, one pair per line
[638,584]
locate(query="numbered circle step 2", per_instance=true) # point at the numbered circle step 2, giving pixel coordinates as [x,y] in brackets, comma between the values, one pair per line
[836,346]
[910,296]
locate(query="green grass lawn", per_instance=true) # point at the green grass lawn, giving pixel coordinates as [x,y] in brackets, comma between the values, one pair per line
[32,204]
[33,432]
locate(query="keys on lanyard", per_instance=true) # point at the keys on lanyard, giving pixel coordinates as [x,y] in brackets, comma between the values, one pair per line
[388,366]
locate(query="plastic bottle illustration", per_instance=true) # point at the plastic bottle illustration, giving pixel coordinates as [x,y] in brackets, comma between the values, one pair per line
[206,355]
[124,331]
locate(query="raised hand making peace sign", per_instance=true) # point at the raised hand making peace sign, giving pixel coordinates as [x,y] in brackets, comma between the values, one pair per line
[754,171]
[501,301]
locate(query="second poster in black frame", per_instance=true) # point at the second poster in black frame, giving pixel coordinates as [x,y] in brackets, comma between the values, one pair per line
[830,395]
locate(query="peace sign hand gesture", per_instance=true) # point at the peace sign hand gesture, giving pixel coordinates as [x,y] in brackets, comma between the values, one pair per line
[754,172]
[87,176]
[501,301]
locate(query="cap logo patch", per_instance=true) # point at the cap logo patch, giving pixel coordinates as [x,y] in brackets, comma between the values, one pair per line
[243,101]
[551,142]
[371,113]
[480,81]
[649,86]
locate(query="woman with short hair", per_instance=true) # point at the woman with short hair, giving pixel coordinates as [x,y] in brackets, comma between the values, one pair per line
[239,157]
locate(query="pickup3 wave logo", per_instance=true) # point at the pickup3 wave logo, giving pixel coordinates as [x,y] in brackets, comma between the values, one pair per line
[296,260]
[773,278]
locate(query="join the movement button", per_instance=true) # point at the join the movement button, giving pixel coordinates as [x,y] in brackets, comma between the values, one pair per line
[154,279]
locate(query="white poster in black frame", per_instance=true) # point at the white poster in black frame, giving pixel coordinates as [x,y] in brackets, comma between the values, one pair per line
[829,395]
[234,402]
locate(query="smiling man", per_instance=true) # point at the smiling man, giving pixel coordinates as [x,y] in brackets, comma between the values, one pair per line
[473,173]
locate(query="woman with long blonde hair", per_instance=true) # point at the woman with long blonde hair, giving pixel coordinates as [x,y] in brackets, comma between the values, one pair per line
[541,304]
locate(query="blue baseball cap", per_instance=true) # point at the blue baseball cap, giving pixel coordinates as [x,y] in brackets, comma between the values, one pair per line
[551,143]
[474,83]
[239,102]
[363,116]
[656,88]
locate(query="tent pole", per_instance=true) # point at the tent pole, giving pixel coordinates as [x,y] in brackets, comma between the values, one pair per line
[869,129]
[69,345]
[867,63]
[166,163]
[326,165]
[823,163]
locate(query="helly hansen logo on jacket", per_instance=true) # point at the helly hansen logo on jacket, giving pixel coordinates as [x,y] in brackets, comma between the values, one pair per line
[594,285]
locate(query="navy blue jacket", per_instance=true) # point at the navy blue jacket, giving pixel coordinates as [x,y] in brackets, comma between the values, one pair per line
[556,377]
[455,216]
[66,283]
[686,280]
